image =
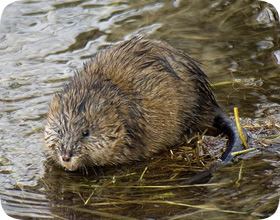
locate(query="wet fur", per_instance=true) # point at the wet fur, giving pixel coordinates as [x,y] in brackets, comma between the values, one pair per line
[134,99]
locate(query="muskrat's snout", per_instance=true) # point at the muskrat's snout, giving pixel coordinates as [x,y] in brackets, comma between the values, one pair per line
[66,155]
[68,162]
[66,158]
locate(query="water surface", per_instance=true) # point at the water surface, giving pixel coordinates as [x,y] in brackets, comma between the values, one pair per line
[42,42]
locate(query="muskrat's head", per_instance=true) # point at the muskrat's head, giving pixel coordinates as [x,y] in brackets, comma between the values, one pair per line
[84,128]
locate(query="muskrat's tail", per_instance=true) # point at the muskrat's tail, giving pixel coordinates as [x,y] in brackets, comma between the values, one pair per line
[228,127]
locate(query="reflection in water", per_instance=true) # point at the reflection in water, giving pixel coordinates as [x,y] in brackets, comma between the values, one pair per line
[42,42]
[119,190]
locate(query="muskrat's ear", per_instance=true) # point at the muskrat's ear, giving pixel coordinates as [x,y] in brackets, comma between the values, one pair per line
[56,102]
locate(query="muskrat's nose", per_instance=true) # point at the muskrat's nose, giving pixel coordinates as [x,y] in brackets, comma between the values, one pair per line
[66,158]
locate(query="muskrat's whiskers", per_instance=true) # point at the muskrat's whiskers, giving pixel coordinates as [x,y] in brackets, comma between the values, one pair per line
[85,169]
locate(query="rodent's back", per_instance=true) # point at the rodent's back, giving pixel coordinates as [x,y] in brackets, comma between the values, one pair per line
[167,86]
[150,92]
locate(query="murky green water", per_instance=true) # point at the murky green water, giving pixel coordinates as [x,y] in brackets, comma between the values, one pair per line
[41,44]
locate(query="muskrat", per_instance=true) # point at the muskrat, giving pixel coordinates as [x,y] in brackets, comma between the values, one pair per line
[130,101]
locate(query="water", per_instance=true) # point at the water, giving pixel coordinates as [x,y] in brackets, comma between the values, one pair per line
[41,44]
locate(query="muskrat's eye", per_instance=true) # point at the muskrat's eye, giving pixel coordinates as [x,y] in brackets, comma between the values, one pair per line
[85,133]
[59,131]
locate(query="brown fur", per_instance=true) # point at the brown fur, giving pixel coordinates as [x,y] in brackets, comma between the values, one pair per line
[133,99]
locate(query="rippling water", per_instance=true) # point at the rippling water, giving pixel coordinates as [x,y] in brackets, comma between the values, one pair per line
[42,42]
